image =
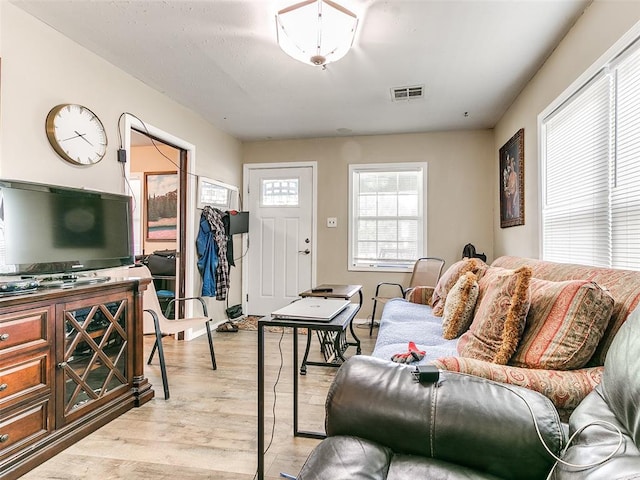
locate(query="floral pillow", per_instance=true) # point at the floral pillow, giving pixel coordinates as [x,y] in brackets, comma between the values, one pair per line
[449,279]
[500,316]
[459,306]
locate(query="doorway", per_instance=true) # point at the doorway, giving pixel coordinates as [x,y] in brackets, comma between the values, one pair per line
[180,162]
[156,179]
[281,255]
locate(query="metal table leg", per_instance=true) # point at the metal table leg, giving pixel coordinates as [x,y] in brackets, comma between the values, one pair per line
[296,432]
[303,366]
[260,472]
[353,333]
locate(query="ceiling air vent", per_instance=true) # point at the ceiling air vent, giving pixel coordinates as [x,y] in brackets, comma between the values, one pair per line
[407,93]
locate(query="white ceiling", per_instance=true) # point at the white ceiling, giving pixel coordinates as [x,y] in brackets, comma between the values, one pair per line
[220,58]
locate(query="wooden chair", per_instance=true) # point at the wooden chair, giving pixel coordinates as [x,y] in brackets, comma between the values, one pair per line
[426,272]
[166,326]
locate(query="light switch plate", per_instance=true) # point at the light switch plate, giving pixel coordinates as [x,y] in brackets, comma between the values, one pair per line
[332,222]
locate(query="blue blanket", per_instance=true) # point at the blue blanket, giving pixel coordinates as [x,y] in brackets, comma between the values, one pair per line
[403,322]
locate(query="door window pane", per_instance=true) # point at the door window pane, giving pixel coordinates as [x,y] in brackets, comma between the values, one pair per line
[279,192]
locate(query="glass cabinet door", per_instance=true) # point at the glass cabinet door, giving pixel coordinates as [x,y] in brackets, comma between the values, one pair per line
[95,352]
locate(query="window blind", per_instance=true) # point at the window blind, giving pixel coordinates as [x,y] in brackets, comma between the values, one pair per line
[575,211]
[625,190]
[591,170]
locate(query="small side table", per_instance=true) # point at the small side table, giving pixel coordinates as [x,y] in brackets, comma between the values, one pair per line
[333,344]
[337,324]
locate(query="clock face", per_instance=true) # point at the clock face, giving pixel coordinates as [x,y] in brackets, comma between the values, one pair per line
[76,134]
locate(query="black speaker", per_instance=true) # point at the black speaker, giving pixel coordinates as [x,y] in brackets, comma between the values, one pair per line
[238,222]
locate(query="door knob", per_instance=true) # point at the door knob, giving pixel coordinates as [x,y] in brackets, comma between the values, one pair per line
[306,251]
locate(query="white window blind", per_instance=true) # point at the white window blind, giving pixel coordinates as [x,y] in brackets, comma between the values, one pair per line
[625,191]
[591,171]
[575,210]
[386,215]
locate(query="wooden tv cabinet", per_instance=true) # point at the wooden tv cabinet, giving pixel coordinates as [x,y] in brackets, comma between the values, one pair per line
[71,360]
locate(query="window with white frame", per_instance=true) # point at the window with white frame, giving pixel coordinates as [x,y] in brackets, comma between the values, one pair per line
[386,215]
[591,170]
[217,194]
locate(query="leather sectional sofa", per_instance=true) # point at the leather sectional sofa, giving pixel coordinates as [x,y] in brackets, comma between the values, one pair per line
[382,424]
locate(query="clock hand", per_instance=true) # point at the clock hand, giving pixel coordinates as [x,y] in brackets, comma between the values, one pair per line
[81,135]
[70,138]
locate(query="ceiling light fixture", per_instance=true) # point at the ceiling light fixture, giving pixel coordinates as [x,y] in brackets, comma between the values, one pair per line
[316,32]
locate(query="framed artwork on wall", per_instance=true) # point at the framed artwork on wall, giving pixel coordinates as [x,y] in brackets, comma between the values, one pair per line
[512,181]
[161,198]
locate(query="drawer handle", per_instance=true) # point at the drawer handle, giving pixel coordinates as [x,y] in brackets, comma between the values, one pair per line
[4,336]
[3,387]
[4,438]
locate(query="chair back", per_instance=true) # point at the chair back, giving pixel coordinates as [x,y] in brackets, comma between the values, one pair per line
[426,272]
[149,299]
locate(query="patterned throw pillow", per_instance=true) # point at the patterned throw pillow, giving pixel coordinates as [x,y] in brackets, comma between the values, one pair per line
[459,306]
[420,294]
[500,316]
[565,323]
[449,279]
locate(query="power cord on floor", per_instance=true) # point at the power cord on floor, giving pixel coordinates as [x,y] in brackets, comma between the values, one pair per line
[368,324]
[275,398]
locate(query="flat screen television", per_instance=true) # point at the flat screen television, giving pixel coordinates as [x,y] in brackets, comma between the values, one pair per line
[47,229]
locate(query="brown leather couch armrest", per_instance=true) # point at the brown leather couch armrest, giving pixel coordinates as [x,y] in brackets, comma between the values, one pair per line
[490,423]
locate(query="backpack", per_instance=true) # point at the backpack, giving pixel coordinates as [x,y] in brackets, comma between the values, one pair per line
[469,251]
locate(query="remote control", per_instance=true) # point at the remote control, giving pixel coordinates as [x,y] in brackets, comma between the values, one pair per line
[321,290]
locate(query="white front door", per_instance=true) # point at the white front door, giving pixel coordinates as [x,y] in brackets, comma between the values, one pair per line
[280,252]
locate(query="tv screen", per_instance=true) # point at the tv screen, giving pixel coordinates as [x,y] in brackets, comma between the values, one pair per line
[48,229]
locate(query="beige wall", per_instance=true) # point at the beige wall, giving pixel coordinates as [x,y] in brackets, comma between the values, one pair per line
[459,201]
[602,24]
[41,68]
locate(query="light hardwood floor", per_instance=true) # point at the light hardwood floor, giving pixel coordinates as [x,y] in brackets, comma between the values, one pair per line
[208,428]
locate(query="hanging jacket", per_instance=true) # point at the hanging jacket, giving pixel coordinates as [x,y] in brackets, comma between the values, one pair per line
[207,257]
[219,234]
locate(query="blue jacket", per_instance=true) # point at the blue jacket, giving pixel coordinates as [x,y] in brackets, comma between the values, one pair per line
[207,258]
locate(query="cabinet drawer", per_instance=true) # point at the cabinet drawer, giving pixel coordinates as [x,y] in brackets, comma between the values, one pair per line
[23,427]
[23,378]
[23,330]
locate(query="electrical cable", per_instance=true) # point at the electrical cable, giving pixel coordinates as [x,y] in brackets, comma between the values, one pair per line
[368,324]
[576,433]
[275,395]
[153,142]
[155,145]
[275,398]
[242,256]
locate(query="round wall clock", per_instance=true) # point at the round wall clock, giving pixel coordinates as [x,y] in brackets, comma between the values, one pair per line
[76,134]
